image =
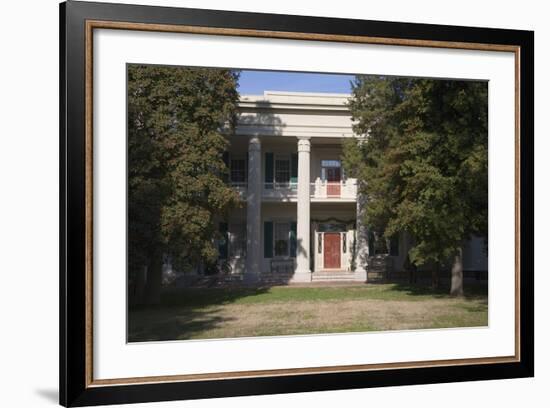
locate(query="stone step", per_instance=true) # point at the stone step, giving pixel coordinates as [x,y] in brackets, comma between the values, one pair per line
[334,277]
[333,273]
[277,276]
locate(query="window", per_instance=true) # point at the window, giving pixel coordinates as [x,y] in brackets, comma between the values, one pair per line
[237,240]
[223,240]
[381,246]
[282,233]
[331,170]
[238,170]
[330,163]
[282,169]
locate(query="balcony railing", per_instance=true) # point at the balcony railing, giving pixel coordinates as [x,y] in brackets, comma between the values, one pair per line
[240,188]
[345,189]
[283,191]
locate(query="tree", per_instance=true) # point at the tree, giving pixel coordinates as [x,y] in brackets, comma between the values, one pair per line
[175,165]
[422,163]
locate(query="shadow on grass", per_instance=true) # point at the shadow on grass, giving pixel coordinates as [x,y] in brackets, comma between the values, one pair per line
[472,291]
[191,313]
[184,313]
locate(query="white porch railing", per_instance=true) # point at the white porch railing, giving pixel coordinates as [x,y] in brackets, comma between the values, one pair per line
[345,189]
[240,188]
[283,191]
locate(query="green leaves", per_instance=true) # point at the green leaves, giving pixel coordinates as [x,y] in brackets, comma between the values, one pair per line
[175,166]
[423,164]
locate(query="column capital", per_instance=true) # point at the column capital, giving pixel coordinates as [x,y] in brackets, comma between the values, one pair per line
[304,144]
[254,144]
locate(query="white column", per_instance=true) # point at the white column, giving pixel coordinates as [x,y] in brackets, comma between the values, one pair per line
[253,211]
[361,240]
[303,273]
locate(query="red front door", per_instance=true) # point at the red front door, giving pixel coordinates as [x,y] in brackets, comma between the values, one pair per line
[333,181]
[331,250]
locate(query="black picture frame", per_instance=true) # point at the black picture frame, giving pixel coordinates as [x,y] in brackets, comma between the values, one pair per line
[75,389]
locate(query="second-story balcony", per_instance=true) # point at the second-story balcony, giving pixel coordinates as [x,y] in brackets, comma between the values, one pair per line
[345,190]
[320,190]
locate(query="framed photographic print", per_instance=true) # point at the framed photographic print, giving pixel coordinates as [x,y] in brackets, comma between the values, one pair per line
[255,203]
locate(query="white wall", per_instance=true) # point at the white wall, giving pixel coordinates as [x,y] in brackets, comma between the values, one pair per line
[29,221]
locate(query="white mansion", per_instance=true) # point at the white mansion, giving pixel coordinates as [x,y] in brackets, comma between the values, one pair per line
[301,217]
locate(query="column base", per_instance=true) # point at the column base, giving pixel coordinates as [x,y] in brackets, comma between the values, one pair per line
[301,276]
[360,275]
[251,278]
[360,269]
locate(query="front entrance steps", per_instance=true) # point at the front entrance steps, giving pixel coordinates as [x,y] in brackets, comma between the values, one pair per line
[329,275]
[272,279]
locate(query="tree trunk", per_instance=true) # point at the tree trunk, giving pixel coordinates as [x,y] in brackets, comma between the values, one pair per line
[435,276]
[136,297]
[154,279]
[457,275]
[412,274]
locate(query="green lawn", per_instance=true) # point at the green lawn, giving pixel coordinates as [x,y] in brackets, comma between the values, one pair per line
[290,310]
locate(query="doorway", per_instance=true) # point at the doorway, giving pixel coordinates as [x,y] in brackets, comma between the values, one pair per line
[331,173]
[331,250]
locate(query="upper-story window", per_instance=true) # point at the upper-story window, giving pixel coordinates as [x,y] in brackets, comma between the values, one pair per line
[331,163]
[238,170]
[331,170]
[282,169]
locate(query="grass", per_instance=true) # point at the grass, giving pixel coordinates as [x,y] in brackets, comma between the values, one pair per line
[202,313]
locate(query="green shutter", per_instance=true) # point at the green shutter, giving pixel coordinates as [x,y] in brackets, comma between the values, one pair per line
[246,168]
[225,158]
[371,243]
[294,168]
[293,240]
[394,246]
[269,168]
[268,239]
[223,244]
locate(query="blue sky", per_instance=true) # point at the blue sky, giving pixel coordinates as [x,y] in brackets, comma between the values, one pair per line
[256,82]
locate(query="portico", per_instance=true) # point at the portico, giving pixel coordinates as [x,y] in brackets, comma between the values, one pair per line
[285,161]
